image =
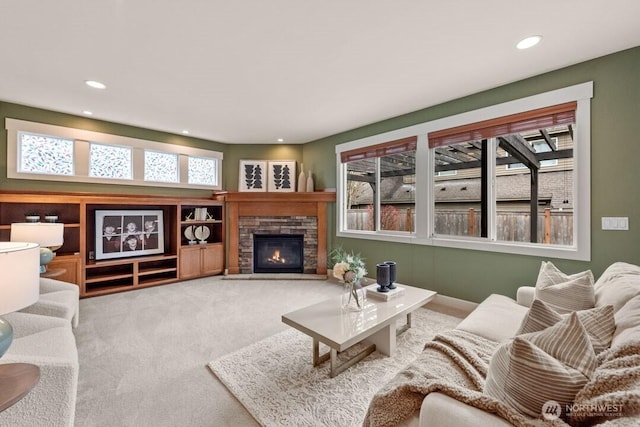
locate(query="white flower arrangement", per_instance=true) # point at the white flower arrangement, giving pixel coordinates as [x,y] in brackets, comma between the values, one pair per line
[348,267]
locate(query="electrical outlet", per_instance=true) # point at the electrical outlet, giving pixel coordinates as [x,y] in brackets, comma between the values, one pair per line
[615,223]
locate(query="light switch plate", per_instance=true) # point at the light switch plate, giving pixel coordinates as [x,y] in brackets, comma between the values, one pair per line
[615,223]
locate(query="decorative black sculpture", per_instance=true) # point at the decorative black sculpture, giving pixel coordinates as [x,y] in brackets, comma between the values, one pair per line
[382,277]
[392,273]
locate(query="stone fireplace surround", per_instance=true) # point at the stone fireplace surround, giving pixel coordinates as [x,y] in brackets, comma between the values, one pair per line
[276,213]
[305,225]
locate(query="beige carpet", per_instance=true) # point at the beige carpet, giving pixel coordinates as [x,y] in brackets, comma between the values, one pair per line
[275,380]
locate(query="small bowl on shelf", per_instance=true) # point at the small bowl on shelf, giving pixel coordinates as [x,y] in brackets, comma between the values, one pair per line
[31,218]
[51,218]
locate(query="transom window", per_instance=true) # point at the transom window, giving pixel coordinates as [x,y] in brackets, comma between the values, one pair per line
[110,161]
[202,170]
[56,153]
[160,167]
[44,154]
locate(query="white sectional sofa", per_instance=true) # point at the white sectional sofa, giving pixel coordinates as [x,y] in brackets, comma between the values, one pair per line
[43,336]
[498,319]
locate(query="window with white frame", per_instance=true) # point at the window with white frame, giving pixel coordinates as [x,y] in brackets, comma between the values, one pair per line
[523,206]
[380,186]
[202,170]
[56,153]
[160,167]
[45,154]
[110,161]
[513,177]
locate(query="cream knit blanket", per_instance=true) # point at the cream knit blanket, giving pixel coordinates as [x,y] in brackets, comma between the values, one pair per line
[455,363]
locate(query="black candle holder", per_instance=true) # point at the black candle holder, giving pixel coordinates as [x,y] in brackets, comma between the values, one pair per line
[382,277]
[392,274]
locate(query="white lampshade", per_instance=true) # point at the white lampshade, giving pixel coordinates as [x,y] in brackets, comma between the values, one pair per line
[47,235]
[20,284]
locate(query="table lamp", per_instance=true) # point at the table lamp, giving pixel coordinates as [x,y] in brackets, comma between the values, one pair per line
[49,236]
[20,284]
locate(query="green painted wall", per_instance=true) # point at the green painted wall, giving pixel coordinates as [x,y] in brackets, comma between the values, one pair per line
[465,274]
[238,152]
[615,150]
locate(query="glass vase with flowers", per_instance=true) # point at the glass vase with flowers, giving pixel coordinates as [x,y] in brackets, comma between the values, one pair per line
[350,269]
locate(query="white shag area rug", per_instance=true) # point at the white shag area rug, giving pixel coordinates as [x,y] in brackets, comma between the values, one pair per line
[277,383]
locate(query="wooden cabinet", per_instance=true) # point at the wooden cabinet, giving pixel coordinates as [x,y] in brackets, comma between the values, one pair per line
[201,240]
[193,230]
[201,260]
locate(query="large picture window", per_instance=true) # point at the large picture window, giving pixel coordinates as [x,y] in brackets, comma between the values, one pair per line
[513,178]
[527,205]
[56,153]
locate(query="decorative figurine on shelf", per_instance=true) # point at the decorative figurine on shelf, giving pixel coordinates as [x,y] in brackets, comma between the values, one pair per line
[310,183]
[302,180]
[189,217]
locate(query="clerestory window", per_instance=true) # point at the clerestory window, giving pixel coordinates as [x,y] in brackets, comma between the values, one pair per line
[56,153]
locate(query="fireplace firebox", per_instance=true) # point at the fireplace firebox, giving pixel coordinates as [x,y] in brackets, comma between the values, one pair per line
[278,253]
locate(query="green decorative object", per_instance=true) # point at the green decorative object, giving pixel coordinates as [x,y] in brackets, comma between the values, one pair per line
[46,256]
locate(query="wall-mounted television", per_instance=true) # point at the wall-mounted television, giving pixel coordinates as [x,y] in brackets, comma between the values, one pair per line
[128,233]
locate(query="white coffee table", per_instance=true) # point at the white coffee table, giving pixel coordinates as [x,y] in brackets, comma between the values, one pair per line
[327,323]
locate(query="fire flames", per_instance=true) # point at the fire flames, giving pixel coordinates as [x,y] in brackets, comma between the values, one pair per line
[275,258]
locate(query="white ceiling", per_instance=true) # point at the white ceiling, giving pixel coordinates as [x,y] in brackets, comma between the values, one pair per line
[252,71]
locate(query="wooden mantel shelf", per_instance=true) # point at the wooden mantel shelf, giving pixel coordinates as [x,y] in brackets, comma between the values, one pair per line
[312,197]
[242,204]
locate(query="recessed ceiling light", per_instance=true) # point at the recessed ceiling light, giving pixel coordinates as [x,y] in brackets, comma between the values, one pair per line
[95,84]
[529,42]
[87,113]
[280,139]
[186,132]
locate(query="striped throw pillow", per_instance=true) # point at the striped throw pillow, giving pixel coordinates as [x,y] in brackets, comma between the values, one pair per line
[599,322]
[532,369]
[565,293]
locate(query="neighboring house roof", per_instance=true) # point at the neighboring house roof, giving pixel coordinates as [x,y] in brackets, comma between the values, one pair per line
[509,188]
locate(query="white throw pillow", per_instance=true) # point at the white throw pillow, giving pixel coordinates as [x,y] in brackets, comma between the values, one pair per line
[599,322]
[618,284]
[627,323]
[565,293]
[532,369]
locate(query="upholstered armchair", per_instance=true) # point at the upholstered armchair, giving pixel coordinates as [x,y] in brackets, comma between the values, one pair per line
[49,343]
[57,299]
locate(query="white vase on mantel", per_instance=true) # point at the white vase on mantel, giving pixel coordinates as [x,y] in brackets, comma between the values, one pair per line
[310,183]
[302,180]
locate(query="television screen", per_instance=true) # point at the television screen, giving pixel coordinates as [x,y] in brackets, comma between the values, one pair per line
[127,233]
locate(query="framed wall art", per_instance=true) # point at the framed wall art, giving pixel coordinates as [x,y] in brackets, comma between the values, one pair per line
[253,175]
[282,175]
[125,233]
